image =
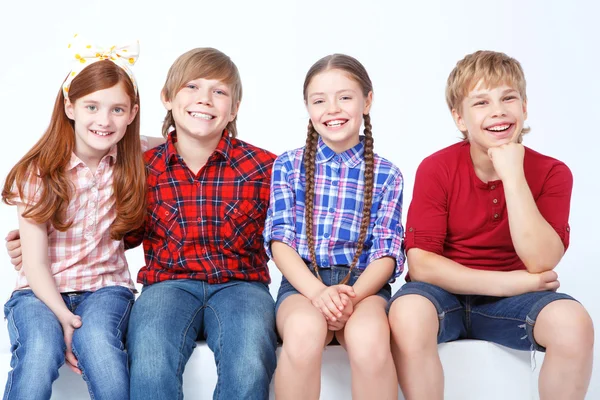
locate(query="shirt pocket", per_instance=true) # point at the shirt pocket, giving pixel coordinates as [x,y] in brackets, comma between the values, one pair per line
[166,226]
[242,226]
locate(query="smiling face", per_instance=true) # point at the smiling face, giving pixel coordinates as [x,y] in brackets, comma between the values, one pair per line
[336,105]
[202,108]
[100,119]
[491,117]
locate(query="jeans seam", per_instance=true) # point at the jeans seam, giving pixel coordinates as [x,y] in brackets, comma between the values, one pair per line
[218,385]
[119,330]
[9,381]
[180,365]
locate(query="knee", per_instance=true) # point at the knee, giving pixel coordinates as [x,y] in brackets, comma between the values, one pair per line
[569,329]
[414,322]
[41,354]
[304,339]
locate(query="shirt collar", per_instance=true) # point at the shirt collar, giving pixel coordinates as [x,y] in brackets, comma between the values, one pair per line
[76,161]
[351,157]
[221,152]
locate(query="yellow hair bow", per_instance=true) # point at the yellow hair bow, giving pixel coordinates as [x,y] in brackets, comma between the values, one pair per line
[85,53]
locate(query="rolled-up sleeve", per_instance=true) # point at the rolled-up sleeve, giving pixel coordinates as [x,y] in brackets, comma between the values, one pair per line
[427,220]
[280,224]
[554,202]
[388,233]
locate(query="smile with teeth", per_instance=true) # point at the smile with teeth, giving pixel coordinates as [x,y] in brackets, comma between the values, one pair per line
[101,133]
[335,123]
[200,115]
[499,128]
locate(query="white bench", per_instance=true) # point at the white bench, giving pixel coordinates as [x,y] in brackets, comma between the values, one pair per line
[474,370]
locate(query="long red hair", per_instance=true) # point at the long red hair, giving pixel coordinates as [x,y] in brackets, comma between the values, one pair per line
[50,156]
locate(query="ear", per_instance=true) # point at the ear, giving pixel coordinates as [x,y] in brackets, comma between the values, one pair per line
[525,110]
[166,103]
[234,111]
[134,112]
[458,120]
[69,109]
[368,103]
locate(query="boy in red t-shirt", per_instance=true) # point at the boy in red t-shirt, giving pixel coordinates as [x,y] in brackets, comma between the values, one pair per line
[487,225]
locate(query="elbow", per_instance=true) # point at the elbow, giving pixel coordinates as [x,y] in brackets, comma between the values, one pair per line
[417,265]
[544,261]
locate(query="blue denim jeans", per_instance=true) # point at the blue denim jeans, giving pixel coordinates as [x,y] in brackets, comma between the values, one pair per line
[38,346]
[236,318]
[508,321]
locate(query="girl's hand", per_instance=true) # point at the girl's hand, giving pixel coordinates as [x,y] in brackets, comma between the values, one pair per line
[346,313]
[69,323]
[330,302]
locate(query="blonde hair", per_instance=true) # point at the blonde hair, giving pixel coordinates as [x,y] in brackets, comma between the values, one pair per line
[492,68]
[356,71]
[207,63]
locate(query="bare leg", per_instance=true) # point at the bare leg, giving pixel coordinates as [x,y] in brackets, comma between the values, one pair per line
[366,337]
[303,330]
[414,325]
[566,330]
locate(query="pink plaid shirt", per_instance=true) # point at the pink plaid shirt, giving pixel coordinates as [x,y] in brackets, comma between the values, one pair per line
[85,258]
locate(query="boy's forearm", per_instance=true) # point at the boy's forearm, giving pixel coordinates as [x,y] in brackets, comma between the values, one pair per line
[537,244]
[424,266]
[295,270]
[373,278]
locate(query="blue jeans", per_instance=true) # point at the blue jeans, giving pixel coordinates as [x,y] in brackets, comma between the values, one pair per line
[236,318]
[38,346]
[508,321]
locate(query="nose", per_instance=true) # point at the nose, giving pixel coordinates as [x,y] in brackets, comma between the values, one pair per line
[333,107]
[103,118]
[499,110]
[204,97]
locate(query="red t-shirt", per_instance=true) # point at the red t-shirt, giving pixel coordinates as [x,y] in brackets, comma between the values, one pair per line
[456,215]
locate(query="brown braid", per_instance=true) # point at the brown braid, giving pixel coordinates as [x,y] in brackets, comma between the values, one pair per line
[310,155]
[368,191]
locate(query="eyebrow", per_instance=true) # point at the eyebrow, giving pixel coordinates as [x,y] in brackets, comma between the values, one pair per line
[338,92]
[112,105]
[484,95]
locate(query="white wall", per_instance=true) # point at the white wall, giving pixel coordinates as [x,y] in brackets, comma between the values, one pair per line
[408,47]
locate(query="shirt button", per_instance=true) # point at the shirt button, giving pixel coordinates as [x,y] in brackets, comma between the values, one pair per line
[492,187]
[167,213]
[198,219]
[326,235]
[496,216]
[495,201]
[331,209]
[410,229]
[197,183]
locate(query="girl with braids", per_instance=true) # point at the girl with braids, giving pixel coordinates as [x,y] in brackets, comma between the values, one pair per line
[334,230]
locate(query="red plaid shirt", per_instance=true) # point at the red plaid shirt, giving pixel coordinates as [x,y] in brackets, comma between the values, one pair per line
[206,226]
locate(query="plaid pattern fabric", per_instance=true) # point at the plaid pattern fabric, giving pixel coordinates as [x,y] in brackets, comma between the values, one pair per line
[338,205]
[206,226]
[84,258]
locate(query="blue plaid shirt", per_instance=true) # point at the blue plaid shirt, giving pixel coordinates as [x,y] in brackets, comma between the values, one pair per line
[339,187]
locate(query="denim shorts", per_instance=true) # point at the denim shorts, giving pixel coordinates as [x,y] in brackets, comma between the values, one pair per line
[508,321]
[330,276]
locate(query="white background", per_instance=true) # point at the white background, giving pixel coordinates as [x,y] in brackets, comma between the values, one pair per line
[408,48]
